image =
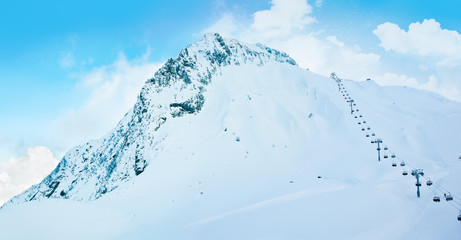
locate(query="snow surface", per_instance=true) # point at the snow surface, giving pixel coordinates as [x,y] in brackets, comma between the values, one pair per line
[244,163]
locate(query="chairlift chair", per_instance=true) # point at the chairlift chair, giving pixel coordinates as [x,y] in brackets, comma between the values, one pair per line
[418,184]
[436,198]
[355,116]
[385,148]
[393,156]
[360,116]
[429,182]
[363,129]
[459,216]
[372,141]
[372,134]
[404,173]
[378,149]
[368,135]
[394,164]
[359,123]
[385,156]
[449,197]
[364,121]
[402,164]
[368,128]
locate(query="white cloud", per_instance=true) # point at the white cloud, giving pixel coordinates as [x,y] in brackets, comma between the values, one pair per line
[392,79]
[227,25]
[112,91]
[431,83]
[285,27]
[20,173]
[430,52]
[284,17]
[319,3]
[434,51]
[425,39]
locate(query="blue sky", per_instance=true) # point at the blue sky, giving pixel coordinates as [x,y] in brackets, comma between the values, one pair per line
[69,70]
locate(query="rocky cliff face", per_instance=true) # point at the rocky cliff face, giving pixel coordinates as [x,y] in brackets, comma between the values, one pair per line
[89,171]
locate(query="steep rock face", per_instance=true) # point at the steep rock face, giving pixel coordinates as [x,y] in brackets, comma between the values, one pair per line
[91,170]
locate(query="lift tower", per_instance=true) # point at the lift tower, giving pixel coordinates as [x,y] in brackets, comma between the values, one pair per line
[378,141]
[351,102]
[417,173]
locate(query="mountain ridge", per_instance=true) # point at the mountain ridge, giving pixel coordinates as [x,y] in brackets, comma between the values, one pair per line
[100,164]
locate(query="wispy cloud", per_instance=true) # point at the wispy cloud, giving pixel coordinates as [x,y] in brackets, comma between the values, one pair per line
[112,90]
[286,26]
[67,60]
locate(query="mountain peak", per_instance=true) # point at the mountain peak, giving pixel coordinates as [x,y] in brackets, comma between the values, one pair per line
[178,88]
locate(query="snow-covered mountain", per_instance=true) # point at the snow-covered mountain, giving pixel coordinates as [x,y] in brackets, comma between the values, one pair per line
[235,141]
[89,171]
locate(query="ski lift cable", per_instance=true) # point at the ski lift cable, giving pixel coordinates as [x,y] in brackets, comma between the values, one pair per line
[439,187]
[453,205]
[443,190]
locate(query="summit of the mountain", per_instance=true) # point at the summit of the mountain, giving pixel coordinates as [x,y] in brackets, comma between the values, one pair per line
[99,166]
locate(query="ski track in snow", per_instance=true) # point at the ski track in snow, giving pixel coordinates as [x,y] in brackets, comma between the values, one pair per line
[273,201]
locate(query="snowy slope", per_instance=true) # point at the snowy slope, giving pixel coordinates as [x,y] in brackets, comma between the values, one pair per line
[91,170]
[239,155]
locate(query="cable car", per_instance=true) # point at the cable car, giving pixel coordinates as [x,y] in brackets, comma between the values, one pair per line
[436,198]
[385,156]
[449,197]
[402,164]
[385,148]
[393,156]
[429,182]
[394,164]
[459,216]
[404,173]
